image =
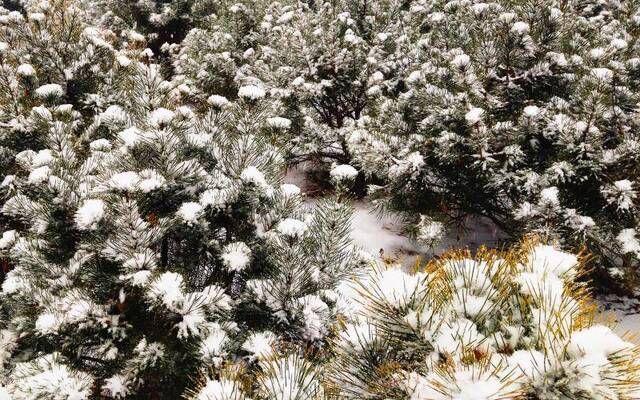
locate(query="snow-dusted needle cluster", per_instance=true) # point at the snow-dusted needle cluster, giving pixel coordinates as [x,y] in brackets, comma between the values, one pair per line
[495,325]
[150,247]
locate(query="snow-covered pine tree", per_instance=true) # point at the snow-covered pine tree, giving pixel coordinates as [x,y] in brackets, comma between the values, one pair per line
[320,61]
[51,61]
[494,325]
[50,64]
[210,55]
[158,243]
[522,112]
[159,22]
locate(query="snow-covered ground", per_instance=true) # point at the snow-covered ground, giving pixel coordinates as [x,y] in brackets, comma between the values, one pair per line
[382,235]
[624,313]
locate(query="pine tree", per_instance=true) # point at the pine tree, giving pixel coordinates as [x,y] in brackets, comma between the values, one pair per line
[493,325]
[50,61]
[156,243]
[524,113]
[149,248]
[159,22]
[319,61]
[52,64]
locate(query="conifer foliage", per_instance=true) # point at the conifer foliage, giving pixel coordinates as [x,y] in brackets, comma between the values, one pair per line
[494,325]
[151,249]
[151,242]
[522,112]
[321,61]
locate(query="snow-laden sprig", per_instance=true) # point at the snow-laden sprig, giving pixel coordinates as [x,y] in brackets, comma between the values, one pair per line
[504,324]
[621,193]
[48,377]
[289,377]
[454,139]
[223,389]
[342,174]
[89,214]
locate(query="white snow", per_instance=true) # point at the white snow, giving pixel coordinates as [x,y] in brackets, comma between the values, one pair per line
[167,288]
[624,193]
[409,165]
[185,112]
[289,190]
[288,380]
[251,92]
[130,136]
[236,256]
[461,60]
[47,323]
[545,259]
[520,28]
[549,196]
[116,386]
[89,214]
[414,77]
[343,172]
[139,278]
[123,61]
[474,115]
[39,175]
[597,53]
[100,145]
[383,236]
[13,283]
[291,227]
[8,239]
[223,389]
[127,181]
[531,111]
[211,348]
[43,157]
[253,175]
[218,101]
[430,231]
[628,239]
[8,343]
[470,385]
[190,212]
[26,70]
[315,314]
[161,116]
[214,197]
[286,17]
[377,76]
[602,74]
[8,181]
[357,336]
[597,339]
[114,114]
[50,90]
[47,378]
[279,122]
[396,286]
[150,180]
[260,343]
[619,44]
[530,362]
